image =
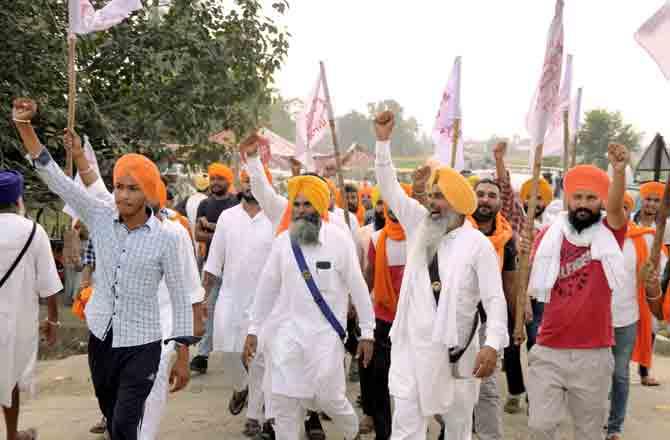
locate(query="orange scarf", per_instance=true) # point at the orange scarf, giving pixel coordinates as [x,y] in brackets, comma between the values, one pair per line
[502,234]
[385,294]
[642,352]
[360,214]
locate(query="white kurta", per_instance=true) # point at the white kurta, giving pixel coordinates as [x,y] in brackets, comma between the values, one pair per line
[306,353]
[35,277]
[192,209]
[239,249]
[468,270]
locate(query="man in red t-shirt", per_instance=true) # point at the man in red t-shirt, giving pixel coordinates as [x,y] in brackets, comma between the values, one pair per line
[577,262]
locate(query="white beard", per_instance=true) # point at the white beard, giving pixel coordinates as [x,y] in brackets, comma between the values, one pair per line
[430,233]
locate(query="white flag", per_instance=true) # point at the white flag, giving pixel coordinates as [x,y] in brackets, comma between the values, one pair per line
[84,19]
[575,115]
[312,123]
[553,140]
[93,163]
[445,122]
[546,98]
[654,37]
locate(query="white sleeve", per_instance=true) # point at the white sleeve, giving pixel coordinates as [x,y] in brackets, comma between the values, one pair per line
[217,249]
[268,288]
[270,202]
[492,296]
[360,296]
[48,283]
[408,211]
[191,275]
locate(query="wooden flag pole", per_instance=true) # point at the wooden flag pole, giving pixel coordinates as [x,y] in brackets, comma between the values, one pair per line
[661,219]
[71,95]
[523,274]
[566,149]
[336,148]
[573,153]
[454,141]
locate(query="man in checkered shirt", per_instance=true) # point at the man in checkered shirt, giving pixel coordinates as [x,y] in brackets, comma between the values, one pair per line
[133,254]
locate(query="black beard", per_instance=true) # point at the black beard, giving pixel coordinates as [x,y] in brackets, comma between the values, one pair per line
[380,221]
[580,225]
[481,217]
[220,193]
[538,211]
[249,198]
[353,209]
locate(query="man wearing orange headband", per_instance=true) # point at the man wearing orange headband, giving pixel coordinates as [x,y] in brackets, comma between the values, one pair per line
[436,360]
[133,254]
[209,210]
[577,264]
[300,311]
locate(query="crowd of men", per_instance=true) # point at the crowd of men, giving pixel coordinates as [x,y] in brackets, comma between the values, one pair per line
[415,283]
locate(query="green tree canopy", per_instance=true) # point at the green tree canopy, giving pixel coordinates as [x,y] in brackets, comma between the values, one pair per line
[600,128]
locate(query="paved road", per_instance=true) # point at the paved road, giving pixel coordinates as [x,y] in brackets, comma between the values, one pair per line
[65,407]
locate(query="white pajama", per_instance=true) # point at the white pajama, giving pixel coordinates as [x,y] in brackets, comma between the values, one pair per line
[256,396]
[290,412]
[155,403]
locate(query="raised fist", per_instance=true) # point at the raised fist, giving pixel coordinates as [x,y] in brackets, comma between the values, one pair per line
[72,141]
[24,110]
[618,156]
[249,146]
[500,150]
[384,122]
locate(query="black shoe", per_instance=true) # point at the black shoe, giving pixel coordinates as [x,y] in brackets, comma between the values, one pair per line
[313,428]
[441,437]
[268,432]
[238,401]
[199,364]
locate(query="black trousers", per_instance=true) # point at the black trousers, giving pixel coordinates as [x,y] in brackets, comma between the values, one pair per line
[375,382]
[122,379]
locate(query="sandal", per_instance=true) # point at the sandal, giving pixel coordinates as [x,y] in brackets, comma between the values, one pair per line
[28,434]
[366,425]
[238,401]
[649,382]
[251,428]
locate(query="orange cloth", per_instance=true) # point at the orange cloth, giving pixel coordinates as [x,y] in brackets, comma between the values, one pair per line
[628,201]
[162,195]
[649,188]
[502,234]
[175,216]
[455,188]
[666,305]
[642,352]
[80,303]
[244,176]
[220,170]
[314,189]
[144,171]
[589,178]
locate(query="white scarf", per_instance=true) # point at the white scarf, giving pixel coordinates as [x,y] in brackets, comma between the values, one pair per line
[547,261]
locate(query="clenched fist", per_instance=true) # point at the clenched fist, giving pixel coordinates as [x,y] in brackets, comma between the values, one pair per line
[384,122]
[618,156]
[499,151]
[24,110]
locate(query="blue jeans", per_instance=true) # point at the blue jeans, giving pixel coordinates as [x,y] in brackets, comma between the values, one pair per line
[205,346]
[623,350]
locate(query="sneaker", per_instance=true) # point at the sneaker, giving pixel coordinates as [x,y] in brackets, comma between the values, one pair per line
[513,405]
[268,432]
[238,401]
[199,364]
[313,428]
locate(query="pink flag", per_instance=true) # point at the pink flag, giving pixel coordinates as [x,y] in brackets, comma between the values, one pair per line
[445,122]
[312,123]
[84,19]
[545,99]
[654,36]
[553,140]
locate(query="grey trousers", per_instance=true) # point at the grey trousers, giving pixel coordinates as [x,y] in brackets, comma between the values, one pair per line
[488,410]
[574,382]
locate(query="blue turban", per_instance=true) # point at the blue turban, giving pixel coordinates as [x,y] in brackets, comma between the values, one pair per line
[11,186]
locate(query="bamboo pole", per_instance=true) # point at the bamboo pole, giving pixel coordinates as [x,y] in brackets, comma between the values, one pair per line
[454,141]
[71,95]
[661,219]
[566,148]
[521,284]
[336,148]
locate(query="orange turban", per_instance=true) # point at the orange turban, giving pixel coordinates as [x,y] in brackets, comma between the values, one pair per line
[144,171]
[455,188]
[628,201]
[543,188]
[652,188]
[220,170]
[162,195]
[311,187]
[587,178]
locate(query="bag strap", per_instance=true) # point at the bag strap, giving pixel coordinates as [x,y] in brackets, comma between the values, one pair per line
[314,290]
[20,257]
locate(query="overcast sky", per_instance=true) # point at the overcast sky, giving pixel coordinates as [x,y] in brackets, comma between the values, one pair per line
[376,49]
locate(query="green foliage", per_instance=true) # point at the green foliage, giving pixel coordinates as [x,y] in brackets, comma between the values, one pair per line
[600,128]
[155,79]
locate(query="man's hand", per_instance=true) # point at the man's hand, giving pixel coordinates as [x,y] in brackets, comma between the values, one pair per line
[384,122]
[180,374]
[249,146]
[525,241]
[485,362]
[420,178]
[250,346]
[499,151]
[365,350]
[24,109]
[72,141]
[618,156]
[48,332]
[198,321]
[649,275]
[528,312]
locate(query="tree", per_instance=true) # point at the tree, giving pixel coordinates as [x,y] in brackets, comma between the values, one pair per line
[600,128]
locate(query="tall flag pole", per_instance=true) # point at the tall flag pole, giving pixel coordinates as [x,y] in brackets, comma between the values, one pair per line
[542,108]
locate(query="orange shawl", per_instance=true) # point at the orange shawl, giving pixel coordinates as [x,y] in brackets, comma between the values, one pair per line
[385,295]
[502,234]
[642,352]
[80,303]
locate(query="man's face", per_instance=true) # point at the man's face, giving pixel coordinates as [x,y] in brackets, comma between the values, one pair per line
[218,185]
[437,205]
[366,200]
[302,208]
[584,209]
[650,205]
[539,206]
[128,196]
[379,207]
[488,202]
[352,201]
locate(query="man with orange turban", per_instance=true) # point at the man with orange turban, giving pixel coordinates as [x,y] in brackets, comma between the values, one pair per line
[354,202]
[577,264]
[133,254]
[436,360]
[301,325]
[209,210]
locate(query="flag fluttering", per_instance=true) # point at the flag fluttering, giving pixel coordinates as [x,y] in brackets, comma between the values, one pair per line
[312,123]
[84,19]
[545,99]
[448,122]
[654,37]
[553,139]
